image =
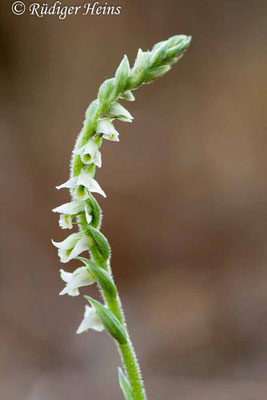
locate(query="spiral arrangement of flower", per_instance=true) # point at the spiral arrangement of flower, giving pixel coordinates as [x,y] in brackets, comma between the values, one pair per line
[85,210]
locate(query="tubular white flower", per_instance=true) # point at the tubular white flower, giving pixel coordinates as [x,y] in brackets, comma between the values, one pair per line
[72,246]
[90,153]
[90,321]
[79,278]
[84,179]
[106,127]
[117,110]
[71,209]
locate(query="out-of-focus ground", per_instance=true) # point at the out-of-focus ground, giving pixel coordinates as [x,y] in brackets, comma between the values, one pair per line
[185,213]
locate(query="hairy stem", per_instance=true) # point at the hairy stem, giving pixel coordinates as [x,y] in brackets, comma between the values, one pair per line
[128,353]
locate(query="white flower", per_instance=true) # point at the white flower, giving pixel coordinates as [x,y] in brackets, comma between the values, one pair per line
[80,277]
[70,209]
[72,246]
[65,221]
[89,153]
[84,180]
[106,127]
[90,321]
[117,110]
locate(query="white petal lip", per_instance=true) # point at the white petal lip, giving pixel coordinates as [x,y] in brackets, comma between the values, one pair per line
[73,207]
[90,321]
[67,290]
[119,111]
[65,221]
[62,253]
[65,276]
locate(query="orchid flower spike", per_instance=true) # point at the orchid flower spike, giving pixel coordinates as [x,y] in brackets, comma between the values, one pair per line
[85,210]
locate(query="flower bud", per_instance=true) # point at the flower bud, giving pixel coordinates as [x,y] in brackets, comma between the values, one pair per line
[139,69]
[106,92]
[122,75]
[156,72]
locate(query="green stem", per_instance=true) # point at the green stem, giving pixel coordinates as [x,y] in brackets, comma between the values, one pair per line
[128,354]
[133,370]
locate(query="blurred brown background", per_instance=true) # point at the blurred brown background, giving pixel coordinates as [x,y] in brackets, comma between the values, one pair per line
[190,170]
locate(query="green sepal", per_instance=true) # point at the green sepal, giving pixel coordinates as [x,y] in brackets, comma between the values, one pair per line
[122,75]
[106,93]
[125,386]
[92,109]
[172,53]
[157,45]
[156,73]
[139,69]
[91,170]
[89,126]
[98,141]
[157,56]
[77,165]
[109,320]
[182,41]
[103,278]
[100,248]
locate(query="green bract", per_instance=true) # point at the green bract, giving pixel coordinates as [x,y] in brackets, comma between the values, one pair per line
[99,125]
